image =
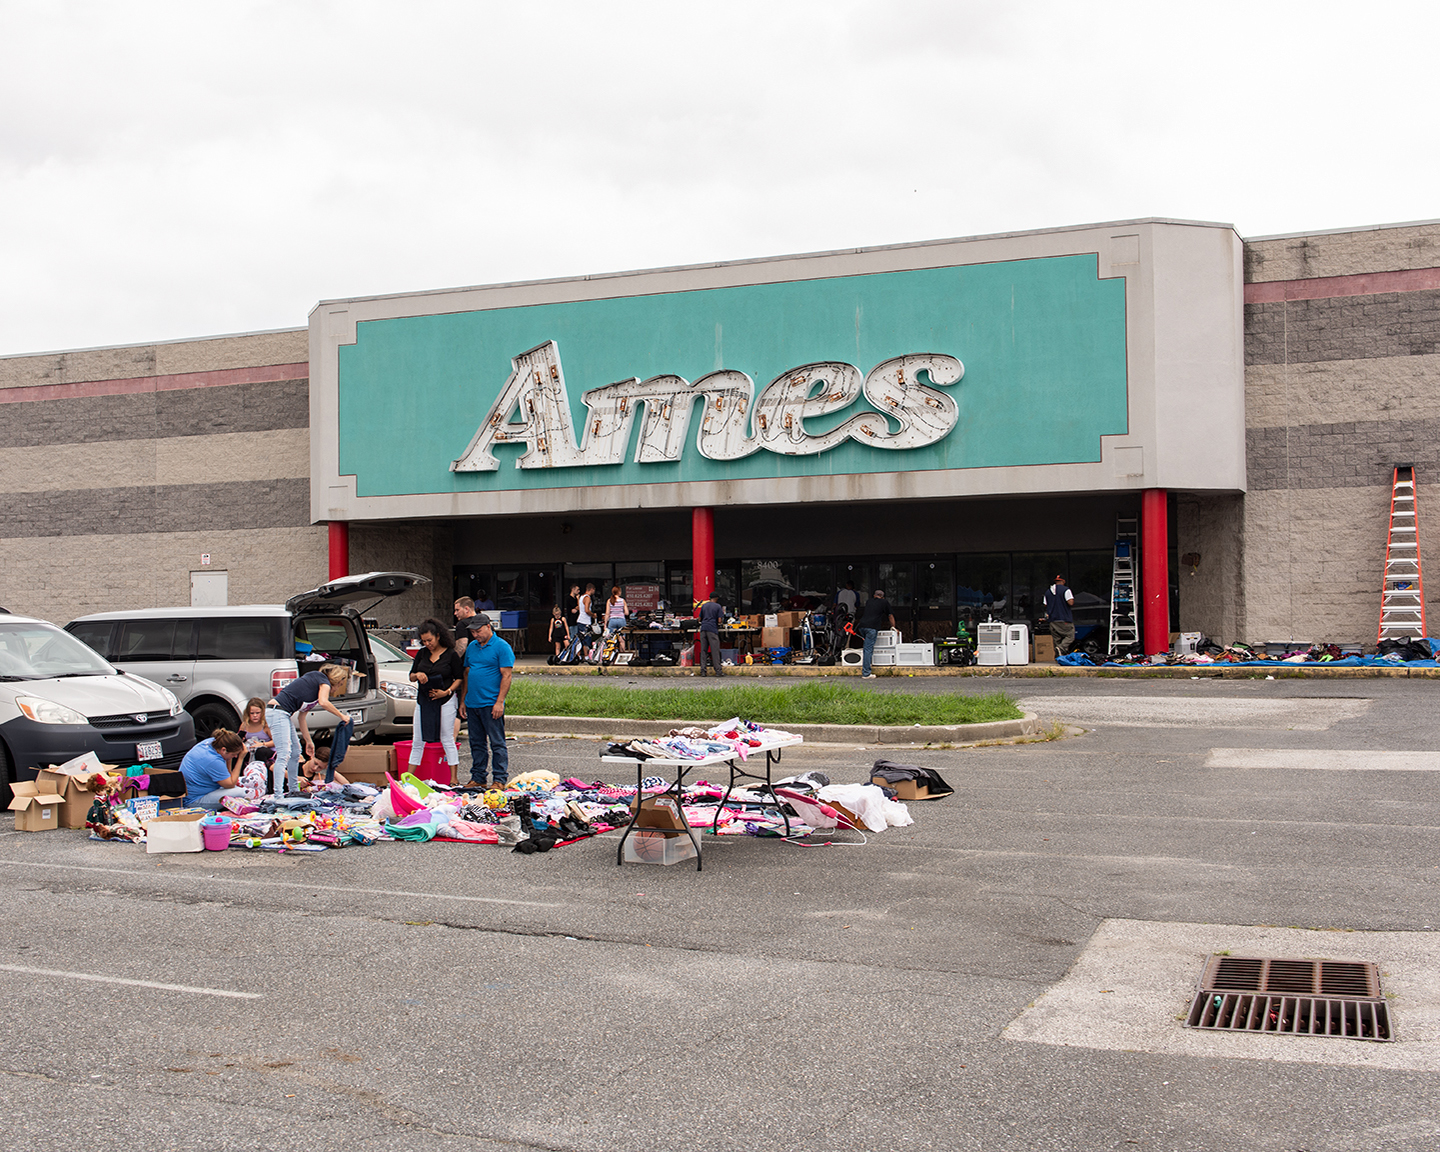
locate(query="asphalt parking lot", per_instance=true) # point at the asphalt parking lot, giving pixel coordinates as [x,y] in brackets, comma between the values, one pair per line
[933,987]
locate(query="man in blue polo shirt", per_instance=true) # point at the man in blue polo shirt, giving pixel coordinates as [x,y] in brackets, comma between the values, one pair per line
[486,683]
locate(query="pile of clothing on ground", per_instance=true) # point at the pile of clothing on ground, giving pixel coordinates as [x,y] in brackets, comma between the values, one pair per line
[533,812]
[1418,653]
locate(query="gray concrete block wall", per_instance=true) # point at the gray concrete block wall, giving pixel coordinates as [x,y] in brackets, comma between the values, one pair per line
[112,499]
[218,353]
[1380,249]
[1338,391]
[1211,525]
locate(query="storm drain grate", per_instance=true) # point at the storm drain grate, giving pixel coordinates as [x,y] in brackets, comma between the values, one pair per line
[1291,998]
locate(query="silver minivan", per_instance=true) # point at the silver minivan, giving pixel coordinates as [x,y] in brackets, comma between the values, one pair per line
[215,659]
[59,699]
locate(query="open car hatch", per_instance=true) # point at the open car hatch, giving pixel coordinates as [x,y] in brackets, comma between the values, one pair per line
[368,588]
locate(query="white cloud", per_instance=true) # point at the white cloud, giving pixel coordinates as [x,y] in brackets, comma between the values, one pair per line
[170,170]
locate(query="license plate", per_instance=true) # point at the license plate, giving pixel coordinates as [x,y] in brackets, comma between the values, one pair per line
[148,751]
[358,717]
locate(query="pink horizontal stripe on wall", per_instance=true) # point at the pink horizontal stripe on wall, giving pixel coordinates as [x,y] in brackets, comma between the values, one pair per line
[265,374]
[1359,284]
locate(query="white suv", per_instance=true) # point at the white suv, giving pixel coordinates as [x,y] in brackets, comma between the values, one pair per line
[216,659]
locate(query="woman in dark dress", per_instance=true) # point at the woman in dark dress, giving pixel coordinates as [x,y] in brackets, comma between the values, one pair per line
[436,675]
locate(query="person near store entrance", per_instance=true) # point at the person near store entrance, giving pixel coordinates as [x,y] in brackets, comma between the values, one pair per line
[711,613]
[489,662]
[873,617]
[1059,607]
[587,612]
[572,611]
[848,599]
[464,619]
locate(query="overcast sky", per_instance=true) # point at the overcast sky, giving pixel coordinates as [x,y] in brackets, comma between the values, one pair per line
[170,170]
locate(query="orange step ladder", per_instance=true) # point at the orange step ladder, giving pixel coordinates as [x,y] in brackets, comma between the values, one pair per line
[1402,596]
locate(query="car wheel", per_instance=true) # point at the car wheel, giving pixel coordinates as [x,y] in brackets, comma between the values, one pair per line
[211,715]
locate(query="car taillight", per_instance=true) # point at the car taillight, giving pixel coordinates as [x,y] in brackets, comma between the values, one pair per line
[280,677]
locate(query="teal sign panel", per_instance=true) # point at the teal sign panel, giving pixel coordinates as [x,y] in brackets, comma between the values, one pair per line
[1042,343]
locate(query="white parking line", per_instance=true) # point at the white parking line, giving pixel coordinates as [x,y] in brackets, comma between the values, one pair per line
[287,884]
[132,983]
[1326,760]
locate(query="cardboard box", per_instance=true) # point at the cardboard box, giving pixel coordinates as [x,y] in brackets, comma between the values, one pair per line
[790,619]
[849,816]
[1044,650]
[368,763]
[36,806]
[175,832]
[774,637]
[661,812]
[78,793]
[904,789]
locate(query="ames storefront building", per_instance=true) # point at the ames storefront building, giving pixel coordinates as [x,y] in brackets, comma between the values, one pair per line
[954,421]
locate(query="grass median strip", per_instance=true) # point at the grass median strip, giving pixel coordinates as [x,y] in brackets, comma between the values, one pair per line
[800,704]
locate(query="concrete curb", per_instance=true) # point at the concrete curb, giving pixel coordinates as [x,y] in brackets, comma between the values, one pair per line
[813,733]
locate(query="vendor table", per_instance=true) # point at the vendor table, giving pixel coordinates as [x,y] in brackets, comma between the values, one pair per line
[741,639]
[515,637]
[643,765]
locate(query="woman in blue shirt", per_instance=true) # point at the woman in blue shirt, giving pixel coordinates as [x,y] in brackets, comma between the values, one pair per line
[212,769]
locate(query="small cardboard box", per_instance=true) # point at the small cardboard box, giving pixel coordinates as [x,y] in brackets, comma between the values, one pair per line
[904,789]
[368,763]
[660,812]
[78,792]
[175,832]
[849,816]
[36,806]
[1044,649]
[790,619]
[774,637]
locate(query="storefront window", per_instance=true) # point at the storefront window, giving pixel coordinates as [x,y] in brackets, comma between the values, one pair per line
[982,584]
[1034,572]
[508,591]
[936,585]
[854,570]
[815,582]
[679,593]
[766,585]
[898,581]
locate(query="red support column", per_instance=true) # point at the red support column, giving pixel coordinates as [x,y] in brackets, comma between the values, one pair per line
[1155,570]
[702,554]
[339,549]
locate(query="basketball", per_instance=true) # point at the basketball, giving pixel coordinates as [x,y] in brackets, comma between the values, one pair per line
[649,846]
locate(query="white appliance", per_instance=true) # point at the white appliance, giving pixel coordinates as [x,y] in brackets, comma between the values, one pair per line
[852,657]
[1017,644]
[990,644]
[915,655]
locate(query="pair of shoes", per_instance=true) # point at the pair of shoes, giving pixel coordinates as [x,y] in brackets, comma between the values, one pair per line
[868,676]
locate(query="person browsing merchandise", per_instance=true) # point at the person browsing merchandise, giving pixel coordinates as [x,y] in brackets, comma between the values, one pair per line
[711,613]
[212,770]
[436,673]
[489,661]
[1059,607]
[287,716]
[873,617]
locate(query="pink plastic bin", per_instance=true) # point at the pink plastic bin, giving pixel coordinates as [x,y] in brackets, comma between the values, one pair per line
[432,764]
[216,833]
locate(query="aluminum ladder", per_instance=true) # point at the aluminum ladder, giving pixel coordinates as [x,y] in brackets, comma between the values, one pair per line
[1124,585]
[1402,597]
